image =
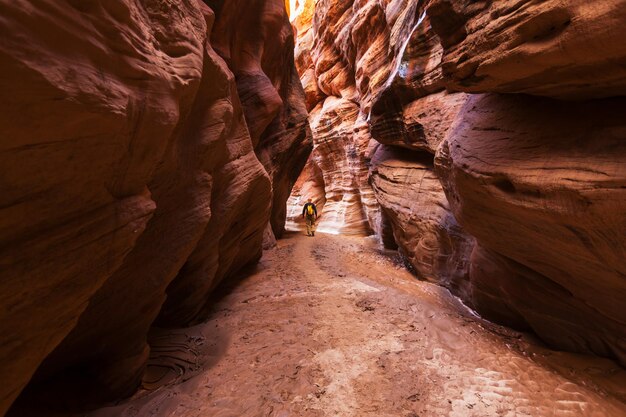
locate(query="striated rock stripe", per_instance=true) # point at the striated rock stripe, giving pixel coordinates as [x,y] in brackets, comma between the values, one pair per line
[543,183]
[130,171]
[548,48]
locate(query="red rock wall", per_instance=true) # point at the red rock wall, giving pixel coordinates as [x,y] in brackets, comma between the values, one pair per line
[427,233]
[338,155]
[513,201]
[269,87]
[540,182]
[548,48]
[371,71]
[131,170]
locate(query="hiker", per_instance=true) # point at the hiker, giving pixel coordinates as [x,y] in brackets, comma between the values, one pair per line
[308,212]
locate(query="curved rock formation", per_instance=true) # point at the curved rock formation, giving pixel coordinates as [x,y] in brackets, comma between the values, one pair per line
[548,48]
[87,127]
[419,125]
[336,155]
[537,182]
[129,170]
[543,183]
[273,100]
[334,39]
[376,72]
[425,230]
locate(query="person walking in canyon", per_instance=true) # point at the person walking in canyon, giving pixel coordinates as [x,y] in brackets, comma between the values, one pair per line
[309,212]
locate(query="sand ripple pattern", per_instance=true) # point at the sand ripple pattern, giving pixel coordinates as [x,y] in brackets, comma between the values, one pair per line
[332,327]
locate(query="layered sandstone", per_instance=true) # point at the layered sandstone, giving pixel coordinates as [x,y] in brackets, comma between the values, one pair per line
[372,71]
[86,132]
[334,39]
[548,48]
[131,169]
[418,125]
[339,124]
[542,184]
[425,230]
[261,58]
[337,156]
[536,182]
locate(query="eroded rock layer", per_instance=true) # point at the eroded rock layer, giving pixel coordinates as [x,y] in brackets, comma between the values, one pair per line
[542,183]
[130,169]
[372,75]
[338,157]
[425,230]
[521,212]
[273,100]
[548,48]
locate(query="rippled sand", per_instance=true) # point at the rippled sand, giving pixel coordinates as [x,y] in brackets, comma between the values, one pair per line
[330,326]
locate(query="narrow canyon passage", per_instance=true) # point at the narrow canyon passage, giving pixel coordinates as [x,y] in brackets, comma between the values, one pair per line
[156,153]
[332,326]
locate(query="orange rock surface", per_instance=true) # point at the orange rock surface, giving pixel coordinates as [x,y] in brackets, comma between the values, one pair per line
[135,164]
[549,48]
[541,183]
[372,73]
[538,182]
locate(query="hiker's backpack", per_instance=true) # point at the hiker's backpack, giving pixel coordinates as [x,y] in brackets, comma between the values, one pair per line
[309,209]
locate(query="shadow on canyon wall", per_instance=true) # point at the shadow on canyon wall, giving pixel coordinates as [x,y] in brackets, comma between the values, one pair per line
[150,148]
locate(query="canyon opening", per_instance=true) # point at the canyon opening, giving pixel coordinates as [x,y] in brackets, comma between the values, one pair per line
[463,252]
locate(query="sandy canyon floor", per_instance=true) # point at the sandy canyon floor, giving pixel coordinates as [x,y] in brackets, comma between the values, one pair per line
[332,326]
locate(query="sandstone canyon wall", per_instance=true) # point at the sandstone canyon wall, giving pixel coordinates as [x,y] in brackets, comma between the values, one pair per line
[144,154]
[379,109]
[494,142]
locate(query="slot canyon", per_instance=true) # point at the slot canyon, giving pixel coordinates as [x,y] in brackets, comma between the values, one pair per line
[467,160]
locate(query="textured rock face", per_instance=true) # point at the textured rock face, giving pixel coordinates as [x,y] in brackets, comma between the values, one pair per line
[337,156]
[543,183]
[420,125]
[376,74]
[305,33]
[537,182]
[270,90]
[310,184]
[548,48]
[128,169]
[273,103]
[87,130]
[334,39]
[521,297]
[425,230]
